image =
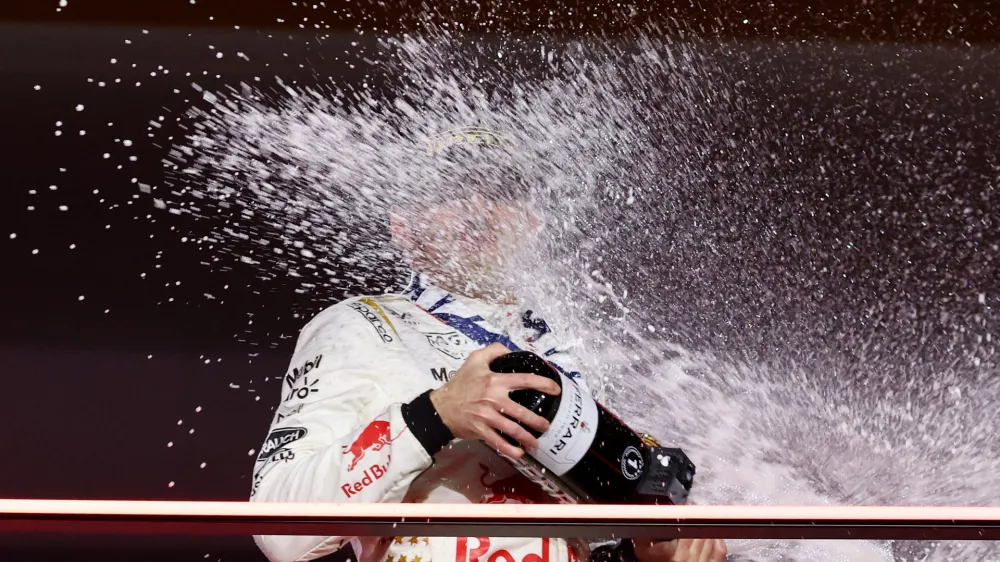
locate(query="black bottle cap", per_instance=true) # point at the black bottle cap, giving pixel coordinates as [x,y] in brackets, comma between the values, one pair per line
[668,477]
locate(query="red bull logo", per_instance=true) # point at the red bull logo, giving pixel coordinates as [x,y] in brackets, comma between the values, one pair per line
[368,477]
[465,553]
[374,437]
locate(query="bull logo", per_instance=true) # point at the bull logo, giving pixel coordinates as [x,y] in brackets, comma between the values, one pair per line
[374,437]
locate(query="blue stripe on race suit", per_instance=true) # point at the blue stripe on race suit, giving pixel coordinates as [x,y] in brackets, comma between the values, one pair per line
[470,326]
[470,329]
[447,299]
[415,288]
[473,331]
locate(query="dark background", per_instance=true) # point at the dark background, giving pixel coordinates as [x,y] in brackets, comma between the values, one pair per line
[95,389]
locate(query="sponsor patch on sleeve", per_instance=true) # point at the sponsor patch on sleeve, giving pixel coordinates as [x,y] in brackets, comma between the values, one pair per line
[279,439]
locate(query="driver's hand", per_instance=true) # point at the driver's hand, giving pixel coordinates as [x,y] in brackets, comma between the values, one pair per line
[475,402]
[681,550]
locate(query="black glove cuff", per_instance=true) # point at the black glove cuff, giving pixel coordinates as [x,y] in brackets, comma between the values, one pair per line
[425,423]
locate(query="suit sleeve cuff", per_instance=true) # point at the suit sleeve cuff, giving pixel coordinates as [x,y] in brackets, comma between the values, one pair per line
[425,423]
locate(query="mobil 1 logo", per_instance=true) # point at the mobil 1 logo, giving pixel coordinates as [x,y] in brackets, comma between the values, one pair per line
[300,386]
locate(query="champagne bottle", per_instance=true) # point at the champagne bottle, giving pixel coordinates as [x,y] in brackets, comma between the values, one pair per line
[588,454]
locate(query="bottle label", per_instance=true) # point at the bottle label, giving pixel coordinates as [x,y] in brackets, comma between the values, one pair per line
[571,431]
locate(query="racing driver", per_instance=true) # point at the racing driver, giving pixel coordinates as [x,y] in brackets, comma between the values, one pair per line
[390,398]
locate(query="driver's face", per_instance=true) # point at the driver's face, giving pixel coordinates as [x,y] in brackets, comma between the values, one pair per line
[466,240]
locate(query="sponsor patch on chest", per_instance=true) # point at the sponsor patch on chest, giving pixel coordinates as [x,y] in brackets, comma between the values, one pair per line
[443,374]
[452,344]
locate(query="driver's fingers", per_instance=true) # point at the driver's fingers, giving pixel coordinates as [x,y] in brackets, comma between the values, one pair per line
[714,551]
[701,550]
[685,550]
[668,548]
[518,381]
[493,439]
[524,415]
[487,354]
[497,421]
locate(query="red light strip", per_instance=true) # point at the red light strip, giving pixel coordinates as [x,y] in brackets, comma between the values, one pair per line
[733,522]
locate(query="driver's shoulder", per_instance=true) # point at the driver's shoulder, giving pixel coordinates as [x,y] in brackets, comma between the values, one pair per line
[356,316]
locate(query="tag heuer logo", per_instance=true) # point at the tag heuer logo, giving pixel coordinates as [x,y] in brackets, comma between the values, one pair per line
[451,344]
